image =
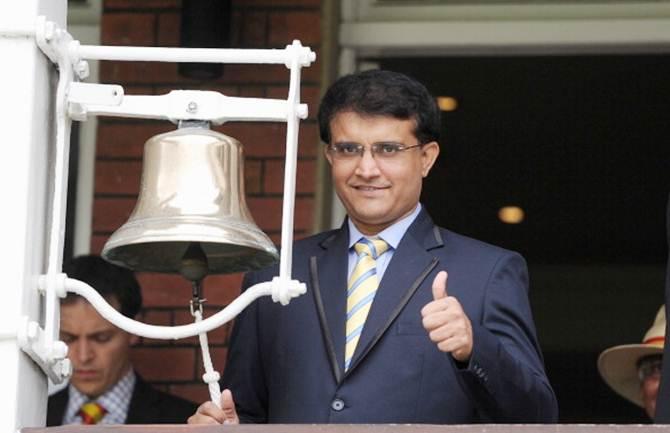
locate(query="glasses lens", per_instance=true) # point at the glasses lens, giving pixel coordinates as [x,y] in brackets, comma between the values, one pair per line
[387,150]
[650,368]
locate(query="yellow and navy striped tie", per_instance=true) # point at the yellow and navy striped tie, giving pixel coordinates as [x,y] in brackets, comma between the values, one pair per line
[363,284]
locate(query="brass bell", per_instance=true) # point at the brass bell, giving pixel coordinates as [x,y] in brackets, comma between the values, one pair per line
[191,201]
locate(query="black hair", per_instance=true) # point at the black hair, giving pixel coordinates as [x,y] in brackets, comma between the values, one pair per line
[381,93]
[110,281]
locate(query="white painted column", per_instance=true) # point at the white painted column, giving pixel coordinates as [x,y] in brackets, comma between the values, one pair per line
[27,86]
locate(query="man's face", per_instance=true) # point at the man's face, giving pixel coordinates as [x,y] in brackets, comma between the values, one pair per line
[649,389]
[99,351]
[378,192]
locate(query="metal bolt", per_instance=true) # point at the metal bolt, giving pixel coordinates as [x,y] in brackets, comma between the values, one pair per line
[33,331]
[59,350]
[49,30]
[192,107]
[82,69]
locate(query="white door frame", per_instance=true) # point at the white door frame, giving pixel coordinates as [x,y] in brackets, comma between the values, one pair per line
[395,28]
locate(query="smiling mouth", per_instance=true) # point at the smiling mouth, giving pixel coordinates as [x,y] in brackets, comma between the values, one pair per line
[369,188]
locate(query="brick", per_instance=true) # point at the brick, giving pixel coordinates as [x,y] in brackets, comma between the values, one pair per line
[164,290]
[138,90]
[253,73]
[253,29]
[273,179]
[215,337]
[218,356]
[222,289]
[126,140]
[169,26]
[252,177]
[276,3]
[197,393]
[128,29]
[221,88]
[97,242]
[156,317]
[144,4]
[267,213]
[117,177]
[138,72]
[289,25]
[252,91]
[309,94]
[303,218]
[164,364]
[265,139]
[110,213]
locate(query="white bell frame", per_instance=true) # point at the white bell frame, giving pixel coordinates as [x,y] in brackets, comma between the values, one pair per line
[76,101]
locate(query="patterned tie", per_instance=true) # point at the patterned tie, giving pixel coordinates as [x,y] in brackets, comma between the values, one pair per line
[363,285]
[91,413]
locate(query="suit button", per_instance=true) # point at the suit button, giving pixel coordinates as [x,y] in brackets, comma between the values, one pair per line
[337,404]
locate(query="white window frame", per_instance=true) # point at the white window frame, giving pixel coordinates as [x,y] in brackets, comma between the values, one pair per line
[84,25]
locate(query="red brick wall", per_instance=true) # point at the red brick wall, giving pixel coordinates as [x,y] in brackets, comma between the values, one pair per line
[177,366]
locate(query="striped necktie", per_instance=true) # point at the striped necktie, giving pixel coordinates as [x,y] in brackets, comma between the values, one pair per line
[91,412]
[363,285]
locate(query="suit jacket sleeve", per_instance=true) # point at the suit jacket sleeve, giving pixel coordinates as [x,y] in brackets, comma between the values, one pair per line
[505,375]
[244,374]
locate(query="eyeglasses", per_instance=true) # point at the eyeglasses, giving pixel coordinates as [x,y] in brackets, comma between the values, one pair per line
[650,366]
[380,151]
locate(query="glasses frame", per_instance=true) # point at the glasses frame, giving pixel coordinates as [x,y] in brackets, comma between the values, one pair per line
[649,367]
[373,149]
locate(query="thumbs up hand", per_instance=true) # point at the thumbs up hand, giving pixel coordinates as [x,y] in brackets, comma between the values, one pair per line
[446,323]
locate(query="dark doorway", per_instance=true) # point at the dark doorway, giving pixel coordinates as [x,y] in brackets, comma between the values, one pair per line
[582,145]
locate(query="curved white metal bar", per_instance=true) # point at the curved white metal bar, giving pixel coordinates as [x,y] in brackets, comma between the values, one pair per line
[167,332]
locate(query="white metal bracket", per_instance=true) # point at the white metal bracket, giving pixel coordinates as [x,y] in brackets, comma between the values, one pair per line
[76,100]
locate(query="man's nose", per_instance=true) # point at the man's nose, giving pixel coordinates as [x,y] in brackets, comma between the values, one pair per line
[84,351]
[367,164]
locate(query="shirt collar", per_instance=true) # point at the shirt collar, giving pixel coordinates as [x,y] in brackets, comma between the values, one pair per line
[392,234]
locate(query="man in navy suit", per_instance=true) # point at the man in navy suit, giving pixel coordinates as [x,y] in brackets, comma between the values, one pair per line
[427,351]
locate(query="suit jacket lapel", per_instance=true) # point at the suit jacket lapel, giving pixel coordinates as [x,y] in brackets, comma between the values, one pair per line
[57,405]
[410,265]
[328,271]
[142,407]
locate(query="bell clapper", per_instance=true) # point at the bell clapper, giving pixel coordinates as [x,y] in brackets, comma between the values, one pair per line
[194,268]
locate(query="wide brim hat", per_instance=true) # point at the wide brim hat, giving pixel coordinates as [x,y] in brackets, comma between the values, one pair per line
[618,365]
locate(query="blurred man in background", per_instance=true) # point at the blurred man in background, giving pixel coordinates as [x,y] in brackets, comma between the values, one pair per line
[104,388]
[634,370]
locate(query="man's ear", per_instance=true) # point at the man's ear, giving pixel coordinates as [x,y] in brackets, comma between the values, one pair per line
[135,339]
[327,155]
[429,154]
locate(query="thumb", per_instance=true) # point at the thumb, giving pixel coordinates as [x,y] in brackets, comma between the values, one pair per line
[228,407]
[440,285]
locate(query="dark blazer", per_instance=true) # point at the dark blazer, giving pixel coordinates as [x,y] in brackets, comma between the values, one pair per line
[147,406]
[663,400]
[285,363]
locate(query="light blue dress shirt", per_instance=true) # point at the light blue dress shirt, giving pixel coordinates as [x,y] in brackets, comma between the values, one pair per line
[392,235]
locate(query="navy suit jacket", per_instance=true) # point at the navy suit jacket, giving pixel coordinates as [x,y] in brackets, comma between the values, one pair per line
[285,363]
[147,406]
